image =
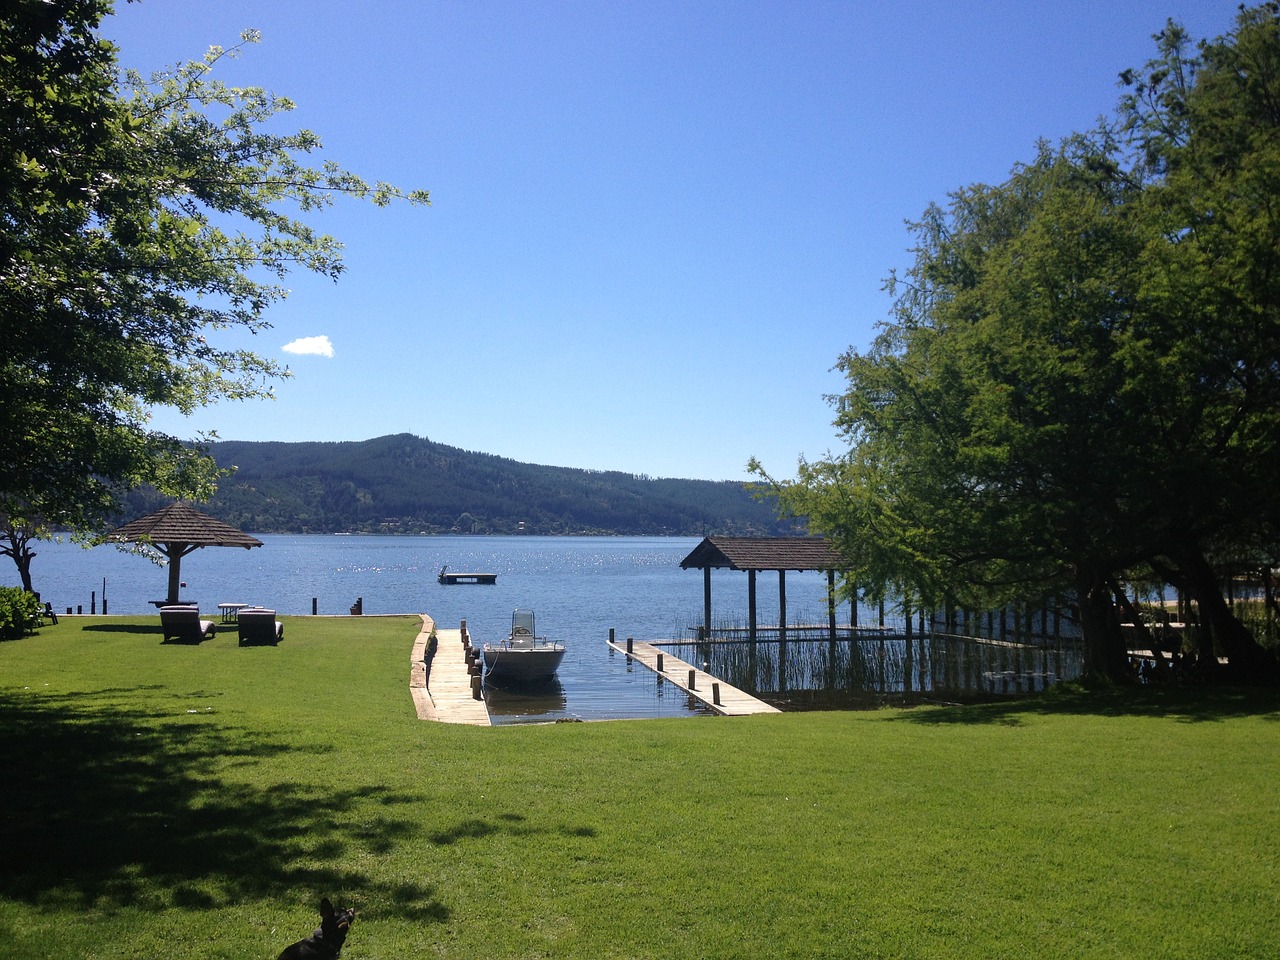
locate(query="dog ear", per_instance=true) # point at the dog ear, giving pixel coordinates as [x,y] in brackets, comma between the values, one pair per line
[326,908]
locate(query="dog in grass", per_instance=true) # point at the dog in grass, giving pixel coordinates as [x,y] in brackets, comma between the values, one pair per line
[325,943]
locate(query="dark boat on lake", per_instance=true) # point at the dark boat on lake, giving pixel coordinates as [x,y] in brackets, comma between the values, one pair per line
[523,657]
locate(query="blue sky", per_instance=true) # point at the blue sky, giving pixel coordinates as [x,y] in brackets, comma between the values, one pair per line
[654,226]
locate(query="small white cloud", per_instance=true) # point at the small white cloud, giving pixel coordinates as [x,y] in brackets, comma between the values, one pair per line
[315,346]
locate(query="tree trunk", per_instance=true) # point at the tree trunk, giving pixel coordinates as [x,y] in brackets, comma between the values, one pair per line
[17,544]
[1247,659]
[1104,649]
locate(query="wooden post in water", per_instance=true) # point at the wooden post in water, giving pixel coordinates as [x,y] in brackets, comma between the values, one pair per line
[907,665]
[715,694]
[660,670]
[692,673]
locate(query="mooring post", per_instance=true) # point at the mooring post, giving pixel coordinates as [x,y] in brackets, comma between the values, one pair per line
[628,645]
[715,694]
[315,605]
[660,670]
[611,635]
[692,674]
[475,687]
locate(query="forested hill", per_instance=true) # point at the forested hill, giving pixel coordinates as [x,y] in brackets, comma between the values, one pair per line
[406,484]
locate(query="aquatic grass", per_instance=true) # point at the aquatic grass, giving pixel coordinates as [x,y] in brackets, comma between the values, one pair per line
[198,800]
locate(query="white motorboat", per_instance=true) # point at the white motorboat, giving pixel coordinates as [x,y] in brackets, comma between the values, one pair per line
[524,657]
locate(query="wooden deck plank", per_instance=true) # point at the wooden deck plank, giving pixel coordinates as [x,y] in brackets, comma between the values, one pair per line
[442,690]
[733,702]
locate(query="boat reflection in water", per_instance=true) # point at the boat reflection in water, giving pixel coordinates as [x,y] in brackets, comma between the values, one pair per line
[533,703]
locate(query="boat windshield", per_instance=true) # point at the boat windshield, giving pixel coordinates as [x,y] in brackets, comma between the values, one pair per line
[522,623]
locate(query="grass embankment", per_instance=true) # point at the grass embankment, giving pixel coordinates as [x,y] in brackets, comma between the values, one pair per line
[196,801]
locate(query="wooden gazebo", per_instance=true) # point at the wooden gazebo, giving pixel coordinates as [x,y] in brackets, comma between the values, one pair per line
[177,530]
[754,554]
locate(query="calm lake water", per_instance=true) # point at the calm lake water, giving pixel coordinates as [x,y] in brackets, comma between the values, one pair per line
[580,587]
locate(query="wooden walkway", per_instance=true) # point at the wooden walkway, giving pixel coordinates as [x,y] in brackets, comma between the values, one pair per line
[443,692]
[724,699]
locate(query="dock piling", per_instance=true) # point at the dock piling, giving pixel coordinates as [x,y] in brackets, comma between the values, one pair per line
[692,674]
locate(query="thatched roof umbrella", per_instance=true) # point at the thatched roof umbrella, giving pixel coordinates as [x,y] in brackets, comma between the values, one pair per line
[177,530]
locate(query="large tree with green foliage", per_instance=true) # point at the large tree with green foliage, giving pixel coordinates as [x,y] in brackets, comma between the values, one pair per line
[1079,381]
[1208,132]
[139,218]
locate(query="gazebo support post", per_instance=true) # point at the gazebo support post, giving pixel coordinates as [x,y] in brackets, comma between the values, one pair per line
[175,552]
[782,630]
[706,603]
[831,604]
[782,606]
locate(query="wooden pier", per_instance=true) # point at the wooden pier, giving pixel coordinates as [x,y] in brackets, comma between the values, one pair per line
[722,698]
[442,689]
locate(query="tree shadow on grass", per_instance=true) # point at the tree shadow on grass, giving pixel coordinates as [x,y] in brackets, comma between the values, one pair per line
[112,805]
[515,824]
[1184,704]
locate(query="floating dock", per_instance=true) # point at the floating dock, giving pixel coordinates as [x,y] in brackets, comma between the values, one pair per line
[441,688]
[450,579]
[724,699]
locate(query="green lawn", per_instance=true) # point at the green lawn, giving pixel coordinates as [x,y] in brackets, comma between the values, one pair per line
[197,801]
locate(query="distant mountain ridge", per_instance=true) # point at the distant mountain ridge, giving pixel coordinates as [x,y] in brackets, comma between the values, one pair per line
[407,484]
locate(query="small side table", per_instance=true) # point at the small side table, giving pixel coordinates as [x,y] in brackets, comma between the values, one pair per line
[230,611]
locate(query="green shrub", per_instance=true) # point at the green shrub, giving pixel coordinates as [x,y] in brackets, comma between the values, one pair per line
[18,611]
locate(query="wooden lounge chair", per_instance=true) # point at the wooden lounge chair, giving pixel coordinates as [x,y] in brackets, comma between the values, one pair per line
[259,626]
[184,624]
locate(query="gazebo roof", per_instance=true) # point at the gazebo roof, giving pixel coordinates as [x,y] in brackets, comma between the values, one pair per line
[763,553]
[181,523]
